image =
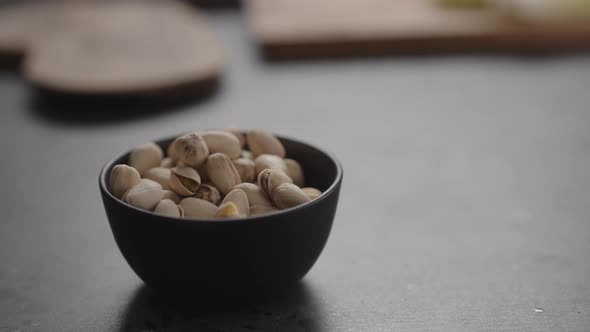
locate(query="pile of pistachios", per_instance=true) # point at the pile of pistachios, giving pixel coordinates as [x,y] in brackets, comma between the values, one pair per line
[212,174]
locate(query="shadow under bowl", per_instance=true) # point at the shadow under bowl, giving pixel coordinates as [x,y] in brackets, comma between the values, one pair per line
[228,258]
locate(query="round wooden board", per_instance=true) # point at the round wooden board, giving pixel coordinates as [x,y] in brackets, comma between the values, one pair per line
[20,22]
[125,48]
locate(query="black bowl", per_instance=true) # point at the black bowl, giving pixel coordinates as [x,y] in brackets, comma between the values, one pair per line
[228,258]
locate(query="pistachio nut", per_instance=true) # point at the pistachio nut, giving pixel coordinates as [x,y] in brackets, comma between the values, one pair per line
[122,178]
[255,195]
[145,156]
[240,199]
[289,195]
[167,162]
[146,194]
[295,172]
[239,134]
[265,161]
[246,168]
[270,179]
[184,180]
[263,142]
[222,142]
[208,193]
[160,175]
[222,172]
[171,195]
[197,208]
[191,149]
[168,208]
[228,210]
[312,193]
[247,154]
[262,209]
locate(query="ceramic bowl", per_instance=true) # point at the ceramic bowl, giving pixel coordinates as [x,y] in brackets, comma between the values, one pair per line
[226,258]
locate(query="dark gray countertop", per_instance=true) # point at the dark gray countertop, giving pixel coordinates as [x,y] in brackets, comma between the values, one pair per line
[465,204]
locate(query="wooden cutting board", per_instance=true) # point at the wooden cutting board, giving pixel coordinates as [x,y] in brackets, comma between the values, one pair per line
[126,47]
[311,28]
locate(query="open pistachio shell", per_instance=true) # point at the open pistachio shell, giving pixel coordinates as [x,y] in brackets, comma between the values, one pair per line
[198,208]
[208,193]
[270,179]
[146,194]
[288,195]
[265,161]
[145,156]
[122,178]
[160,175]
[191,149]
[222,172]
[263,142]
[240,199]
[184,180]
[222,142]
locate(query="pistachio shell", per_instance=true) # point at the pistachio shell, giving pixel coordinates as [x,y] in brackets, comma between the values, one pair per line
[239,134]
[228,210]
[197,208]
[208,193]
[256,210]
[289,195]
[265,161]
[167,163]
[222,142]
[270,179]
[191,149]
[160,175]
[145,156]
[246,168]
[295,172]
[240,199]
[255,195]
[168,208]
[122,178]
[263,142]
[171,195]
[222,172]
[146,194]
[247,154]
[184,180]
[312,193]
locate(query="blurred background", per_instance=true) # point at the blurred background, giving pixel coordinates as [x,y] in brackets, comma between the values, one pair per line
[462,127]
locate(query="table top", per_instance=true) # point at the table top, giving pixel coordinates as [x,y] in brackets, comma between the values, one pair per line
[464,205]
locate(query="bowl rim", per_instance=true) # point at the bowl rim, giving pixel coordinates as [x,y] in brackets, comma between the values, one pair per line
[102,181]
